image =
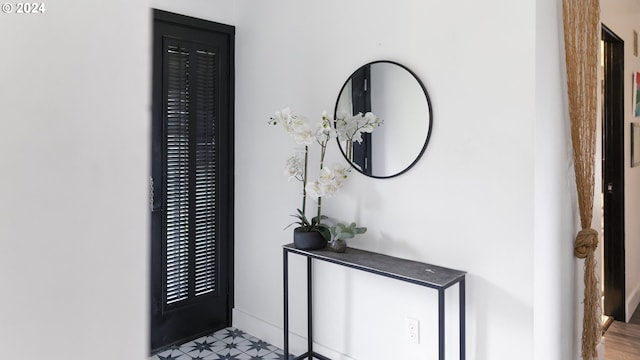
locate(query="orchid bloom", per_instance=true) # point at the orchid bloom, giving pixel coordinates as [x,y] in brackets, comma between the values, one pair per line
[328,183]
[351,127]
[294,168]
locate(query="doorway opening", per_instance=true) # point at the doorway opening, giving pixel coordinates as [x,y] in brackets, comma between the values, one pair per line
[192,179]
[613,174]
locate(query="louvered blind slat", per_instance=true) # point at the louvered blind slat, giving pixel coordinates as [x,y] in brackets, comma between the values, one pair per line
[177,176]
[205,173]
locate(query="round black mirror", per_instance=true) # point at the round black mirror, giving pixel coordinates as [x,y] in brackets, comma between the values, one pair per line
[394,142]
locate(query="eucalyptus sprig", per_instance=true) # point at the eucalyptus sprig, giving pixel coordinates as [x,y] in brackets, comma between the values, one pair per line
[341,231]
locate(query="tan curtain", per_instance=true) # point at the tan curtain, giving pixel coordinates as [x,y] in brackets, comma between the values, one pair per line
[582,39]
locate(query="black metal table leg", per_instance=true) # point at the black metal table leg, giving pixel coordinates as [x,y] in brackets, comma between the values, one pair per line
[309,308]
[441,324]
[462,320]
[285,271]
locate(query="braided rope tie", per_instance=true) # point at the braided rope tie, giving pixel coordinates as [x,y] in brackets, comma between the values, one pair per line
[586,243]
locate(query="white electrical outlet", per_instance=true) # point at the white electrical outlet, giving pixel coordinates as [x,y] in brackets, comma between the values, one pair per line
[413,330]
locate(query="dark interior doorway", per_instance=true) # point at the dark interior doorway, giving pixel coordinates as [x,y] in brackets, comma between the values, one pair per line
[361,99]
[613,174]
[192,178]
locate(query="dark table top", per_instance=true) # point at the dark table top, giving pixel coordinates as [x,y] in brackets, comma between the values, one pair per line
[402,269]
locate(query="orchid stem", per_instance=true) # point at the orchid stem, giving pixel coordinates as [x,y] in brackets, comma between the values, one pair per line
[323,148]
[304,182]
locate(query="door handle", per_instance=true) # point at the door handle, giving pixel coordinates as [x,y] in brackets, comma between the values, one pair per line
[609,188]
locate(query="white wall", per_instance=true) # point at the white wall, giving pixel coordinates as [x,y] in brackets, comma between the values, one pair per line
[473,202]
[622,17]
[74,129]
[222,11]
[555,201]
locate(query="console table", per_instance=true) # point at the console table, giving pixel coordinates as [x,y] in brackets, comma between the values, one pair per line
[414,272]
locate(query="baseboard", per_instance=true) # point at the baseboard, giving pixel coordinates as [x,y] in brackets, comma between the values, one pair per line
[632,302]
[273,334]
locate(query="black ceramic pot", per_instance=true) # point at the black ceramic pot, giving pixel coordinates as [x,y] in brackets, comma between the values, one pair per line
[308,240]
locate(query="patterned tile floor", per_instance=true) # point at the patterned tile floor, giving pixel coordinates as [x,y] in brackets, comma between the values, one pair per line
[229,343]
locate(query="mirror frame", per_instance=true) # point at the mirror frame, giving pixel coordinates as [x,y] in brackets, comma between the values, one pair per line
[430,119]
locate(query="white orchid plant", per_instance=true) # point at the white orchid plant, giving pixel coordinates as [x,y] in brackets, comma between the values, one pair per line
[330,179]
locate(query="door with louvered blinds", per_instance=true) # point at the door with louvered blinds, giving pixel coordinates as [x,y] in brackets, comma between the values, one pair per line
[192,178]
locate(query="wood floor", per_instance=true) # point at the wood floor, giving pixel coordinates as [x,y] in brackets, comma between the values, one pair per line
[622,341]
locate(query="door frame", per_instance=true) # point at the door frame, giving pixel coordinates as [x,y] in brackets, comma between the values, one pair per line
[613,167]
[226,160]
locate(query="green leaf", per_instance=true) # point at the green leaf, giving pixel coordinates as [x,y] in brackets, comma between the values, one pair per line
[316,221]
[293,223]
[342,231]
[324,231]
[344,236]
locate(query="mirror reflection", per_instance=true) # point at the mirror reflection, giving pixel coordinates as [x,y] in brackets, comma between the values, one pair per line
[396,108]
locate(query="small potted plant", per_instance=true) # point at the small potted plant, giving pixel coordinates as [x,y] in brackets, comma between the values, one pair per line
[340,232]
